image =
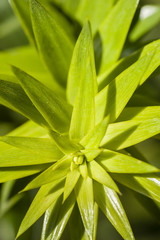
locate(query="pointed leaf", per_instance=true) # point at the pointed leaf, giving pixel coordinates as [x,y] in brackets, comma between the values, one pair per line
[57,171]
[11,173]
[42,201]
[84,194]
[64,143]
[113,98]
[139,113]
[145,24]
[71,181]
[124,134]
[121,163]
[113,32]
[53,43]
[83,115]
[22,10]
[42,146]
[95,136]
[108,201]
[54,224]
[91,154]
[13,97]
[82,68]
[148,184]
[54,109]
[100,175]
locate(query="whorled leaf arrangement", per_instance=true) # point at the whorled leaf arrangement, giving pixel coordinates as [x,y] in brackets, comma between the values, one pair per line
[77,143]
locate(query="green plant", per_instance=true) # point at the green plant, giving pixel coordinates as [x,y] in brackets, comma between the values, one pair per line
[79,133]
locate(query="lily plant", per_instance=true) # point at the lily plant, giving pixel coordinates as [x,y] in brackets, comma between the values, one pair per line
[78,140]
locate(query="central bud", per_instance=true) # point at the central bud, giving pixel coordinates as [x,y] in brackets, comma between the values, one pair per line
[78,158]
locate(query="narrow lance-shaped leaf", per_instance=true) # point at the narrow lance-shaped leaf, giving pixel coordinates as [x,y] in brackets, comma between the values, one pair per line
[124,134]
[139,113]
[144,25]
[84,77]
[113,32]
[23,12]
[53,43]
[11,173]
[56,218]
[55,172]
[113,98]
[63,142]
[148,184]
[121,163]
[110,204]
[100,175]
[13,97]
[84,194]
[71,180]
[54,109]
[42,146]
[82,64]
[42,201]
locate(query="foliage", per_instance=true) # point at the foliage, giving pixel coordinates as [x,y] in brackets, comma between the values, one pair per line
[77,141]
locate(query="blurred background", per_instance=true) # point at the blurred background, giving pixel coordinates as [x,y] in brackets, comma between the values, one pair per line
[146,226]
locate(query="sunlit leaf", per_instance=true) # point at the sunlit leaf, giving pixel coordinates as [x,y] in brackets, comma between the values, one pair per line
[55,172]
[53,43]
[56,218]
[121,163]
[100,175]
[148,184]
[124,134]
[113,98]
[82,74]
[11,173]
[42,201]
[54,109]
[84,194]
[108,201]
[64,143]
[42,146]
[112,33]
[14,97]
[71,180]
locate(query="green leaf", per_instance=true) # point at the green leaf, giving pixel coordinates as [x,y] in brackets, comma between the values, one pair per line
[56,218]
[54,109]
[22,10]
[77,230]
[91,154]
[11,173]
[71,181]
[120,163]
[148,184]
[84,194]
[57,171]
[139,113]
[108,201]
[84,76]
[124,134]
[42,201]
[145,25]
[113,98]
[42,146]
[100,175]
[12,157]
[95,136]
[112,33]
[64,143]
[13,97]
[106,77]
[53,43]
[82,68]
